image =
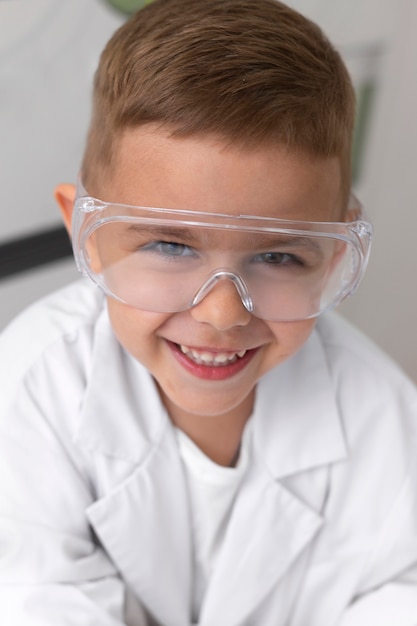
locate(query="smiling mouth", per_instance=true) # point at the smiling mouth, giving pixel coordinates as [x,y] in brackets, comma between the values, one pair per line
[211,359]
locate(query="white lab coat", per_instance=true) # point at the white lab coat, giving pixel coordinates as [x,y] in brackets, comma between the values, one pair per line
[94,511]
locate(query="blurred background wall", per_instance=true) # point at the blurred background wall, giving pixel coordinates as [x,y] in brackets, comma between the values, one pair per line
[48,52]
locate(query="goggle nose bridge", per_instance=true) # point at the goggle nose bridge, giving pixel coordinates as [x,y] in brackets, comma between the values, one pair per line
[222,274]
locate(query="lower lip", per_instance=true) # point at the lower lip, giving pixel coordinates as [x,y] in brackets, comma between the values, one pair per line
[212,372]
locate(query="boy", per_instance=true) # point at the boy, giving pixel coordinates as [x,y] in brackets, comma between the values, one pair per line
[191,443]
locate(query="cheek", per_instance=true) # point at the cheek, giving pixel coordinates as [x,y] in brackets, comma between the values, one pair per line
[289,338]
[136,330]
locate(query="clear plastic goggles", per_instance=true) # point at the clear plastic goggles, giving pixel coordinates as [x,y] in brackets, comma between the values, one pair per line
[166,261]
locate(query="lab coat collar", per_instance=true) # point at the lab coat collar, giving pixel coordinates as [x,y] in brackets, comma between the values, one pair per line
[122,415]
[297,422]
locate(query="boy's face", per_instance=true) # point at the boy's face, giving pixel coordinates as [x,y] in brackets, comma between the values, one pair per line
[202,174]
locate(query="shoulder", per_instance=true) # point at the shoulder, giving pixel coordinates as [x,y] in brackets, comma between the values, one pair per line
[60,323]
[61,310]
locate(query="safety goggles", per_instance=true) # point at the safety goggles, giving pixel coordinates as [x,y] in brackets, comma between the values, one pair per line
[167,260]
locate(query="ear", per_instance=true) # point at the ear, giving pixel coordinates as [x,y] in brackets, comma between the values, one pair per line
[65,196]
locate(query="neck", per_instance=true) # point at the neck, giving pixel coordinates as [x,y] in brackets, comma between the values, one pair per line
[218,436]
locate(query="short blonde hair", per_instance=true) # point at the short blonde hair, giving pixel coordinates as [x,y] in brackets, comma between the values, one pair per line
[247,71]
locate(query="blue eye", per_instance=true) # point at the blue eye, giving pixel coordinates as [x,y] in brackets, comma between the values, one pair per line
[278,259]
[169,248]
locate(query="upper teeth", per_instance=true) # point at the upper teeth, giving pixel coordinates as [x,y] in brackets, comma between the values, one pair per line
[211,358]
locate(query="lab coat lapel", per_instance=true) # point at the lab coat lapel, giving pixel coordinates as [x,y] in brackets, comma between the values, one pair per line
[144,526]
[268,531]
[141,516]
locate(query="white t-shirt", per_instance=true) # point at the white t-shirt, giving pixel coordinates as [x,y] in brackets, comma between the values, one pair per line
[212,490]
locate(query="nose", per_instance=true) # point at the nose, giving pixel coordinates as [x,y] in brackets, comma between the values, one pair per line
[221,307]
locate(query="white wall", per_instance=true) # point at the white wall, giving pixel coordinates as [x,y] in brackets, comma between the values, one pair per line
[48,51]
[386,306]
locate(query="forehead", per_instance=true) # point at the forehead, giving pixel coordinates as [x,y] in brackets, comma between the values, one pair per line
[203,173]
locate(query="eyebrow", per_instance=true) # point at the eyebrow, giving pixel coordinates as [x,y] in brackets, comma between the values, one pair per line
[162,231]
[288,240]
[186,235]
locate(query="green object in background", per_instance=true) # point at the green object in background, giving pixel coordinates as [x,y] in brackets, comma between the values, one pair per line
[365,99]
[128,7]
[364,65]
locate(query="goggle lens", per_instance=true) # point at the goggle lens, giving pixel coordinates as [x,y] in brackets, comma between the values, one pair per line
[167,261]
